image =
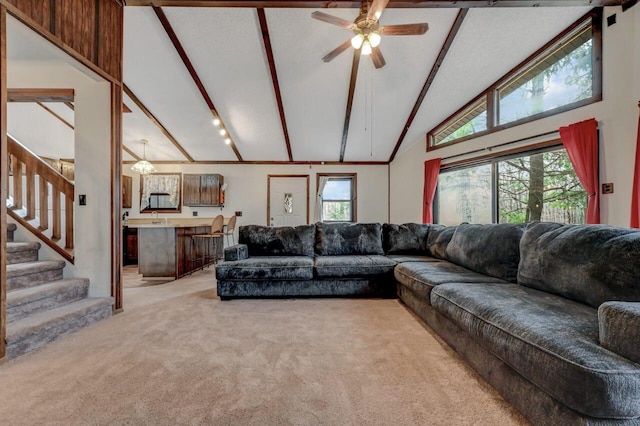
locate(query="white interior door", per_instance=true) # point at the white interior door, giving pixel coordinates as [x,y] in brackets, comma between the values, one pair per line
[288,201]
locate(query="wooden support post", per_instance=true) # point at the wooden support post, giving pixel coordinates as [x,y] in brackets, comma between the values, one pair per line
[31,194]
[17,184]
[68,222]
[44,204]
[55,206]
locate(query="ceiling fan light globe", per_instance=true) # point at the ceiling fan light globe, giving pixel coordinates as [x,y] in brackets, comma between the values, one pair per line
[374,39]
[357,40]
[366,48]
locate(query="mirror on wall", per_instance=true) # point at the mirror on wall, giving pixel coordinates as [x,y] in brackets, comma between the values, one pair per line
[160,192]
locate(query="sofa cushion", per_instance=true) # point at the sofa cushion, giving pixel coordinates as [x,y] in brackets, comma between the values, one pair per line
[409,238]
[438,239]
[401,258]
[278,241]
[353,266]
[422,277]
[267,268]
[619,328]
[549,340]
[590,264]
[336,239]
[492,249]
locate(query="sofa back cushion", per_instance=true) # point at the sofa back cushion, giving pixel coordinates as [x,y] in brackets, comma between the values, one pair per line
[409,238]
[590,264]
[438,239]
[278,241]
[335,239]
[488,249]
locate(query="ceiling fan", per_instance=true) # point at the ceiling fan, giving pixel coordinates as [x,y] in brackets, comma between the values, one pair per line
[368,31]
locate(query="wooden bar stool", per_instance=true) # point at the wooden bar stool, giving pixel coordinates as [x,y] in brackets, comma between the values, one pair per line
[216,232]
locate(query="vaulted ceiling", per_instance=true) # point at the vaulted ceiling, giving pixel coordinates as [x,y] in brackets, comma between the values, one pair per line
[260,71]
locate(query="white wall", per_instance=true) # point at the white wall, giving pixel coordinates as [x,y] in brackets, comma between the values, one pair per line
[247,189]
[617,117]
[92,164]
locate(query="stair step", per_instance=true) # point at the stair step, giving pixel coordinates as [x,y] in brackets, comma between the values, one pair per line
[37,330]
[22,252]
[10,228]
[31,300]
[29,274]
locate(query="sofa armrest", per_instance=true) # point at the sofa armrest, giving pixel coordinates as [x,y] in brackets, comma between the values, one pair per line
[237,252]
[619,328]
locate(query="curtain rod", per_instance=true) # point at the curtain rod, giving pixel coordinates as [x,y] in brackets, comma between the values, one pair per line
[490,148]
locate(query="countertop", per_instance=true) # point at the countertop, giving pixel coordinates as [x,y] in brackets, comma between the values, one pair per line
[163,222]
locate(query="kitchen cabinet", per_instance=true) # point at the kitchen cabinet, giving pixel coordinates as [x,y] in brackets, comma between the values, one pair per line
[201,190]
[130,246]
[127,187]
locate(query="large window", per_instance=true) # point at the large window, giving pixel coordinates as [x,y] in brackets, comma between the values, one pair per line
[536,186]
[338,197]
[564,74]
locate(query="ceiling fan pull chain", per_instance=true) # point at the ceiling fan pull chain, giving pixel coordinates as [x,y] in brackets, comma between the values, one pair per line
[371,113]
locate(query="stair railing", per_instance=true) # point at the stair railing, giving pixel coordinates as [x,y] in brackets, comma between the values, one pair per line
[23,203]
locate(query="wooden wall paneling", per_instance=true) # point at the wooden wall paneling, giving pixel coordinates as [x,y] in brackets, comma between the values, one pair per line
[75,25]
[4,180]
[109,37]
[42,12]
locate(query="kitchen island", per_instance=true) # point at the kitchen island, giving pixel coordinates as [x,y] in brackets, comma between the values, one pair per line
[165,246]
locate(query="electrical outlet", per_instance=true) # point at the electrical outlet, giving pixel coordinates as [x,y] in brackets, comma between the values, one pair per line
[239,213]
[611,19]
[194,213]
[82,199]
[607,188]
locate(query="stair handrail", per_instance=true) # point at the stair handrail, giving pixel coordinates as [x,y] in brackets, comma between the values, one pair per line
[20,156]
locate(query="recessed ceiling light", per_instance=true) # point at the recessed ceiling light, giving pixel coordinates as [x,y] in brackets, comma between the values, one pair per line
[223,132]
[227,141]
[216,121]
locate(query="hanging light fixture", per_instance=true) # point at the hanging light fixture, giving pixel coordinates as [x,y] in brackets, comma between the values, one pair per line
[143,166]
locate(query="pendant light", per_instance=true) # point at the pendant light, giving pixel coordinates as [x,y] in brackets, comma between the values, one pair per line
[143,166]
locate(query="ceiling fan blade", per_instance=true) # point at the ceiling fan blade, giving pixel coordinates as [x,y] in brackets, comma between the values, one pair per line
[376,9]
[325,17]
[406,29]
[338,50]
[377,58]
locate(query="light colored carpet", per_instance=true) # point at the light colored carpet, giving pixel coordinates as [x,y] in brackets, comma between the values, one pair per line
[178,355]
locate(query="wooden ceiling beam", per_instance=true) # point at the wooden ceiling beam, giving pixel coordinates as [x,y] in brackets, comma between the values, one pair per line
[352,88]
[52,112]
[194,75]
[406,4]
[278,163]
[40,95]
[274,77]
[131,153]
[432,75]
[155,121]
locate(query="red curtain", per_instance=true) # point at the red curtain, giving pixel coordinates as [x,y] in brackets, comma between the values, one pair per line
[431,172]
[635,195]
[581,142]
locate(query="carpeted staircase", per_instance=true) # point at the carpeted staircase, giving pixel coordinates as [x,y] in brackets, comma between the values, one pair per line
[41,305]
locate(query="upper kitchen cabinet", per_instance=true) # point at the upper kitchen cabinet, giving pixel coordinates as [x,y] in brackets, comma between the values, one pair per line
[202,190]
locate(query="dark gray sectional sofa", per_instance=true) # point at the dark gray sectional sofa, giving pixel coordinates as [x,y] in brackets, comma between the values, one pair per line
[548,314]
